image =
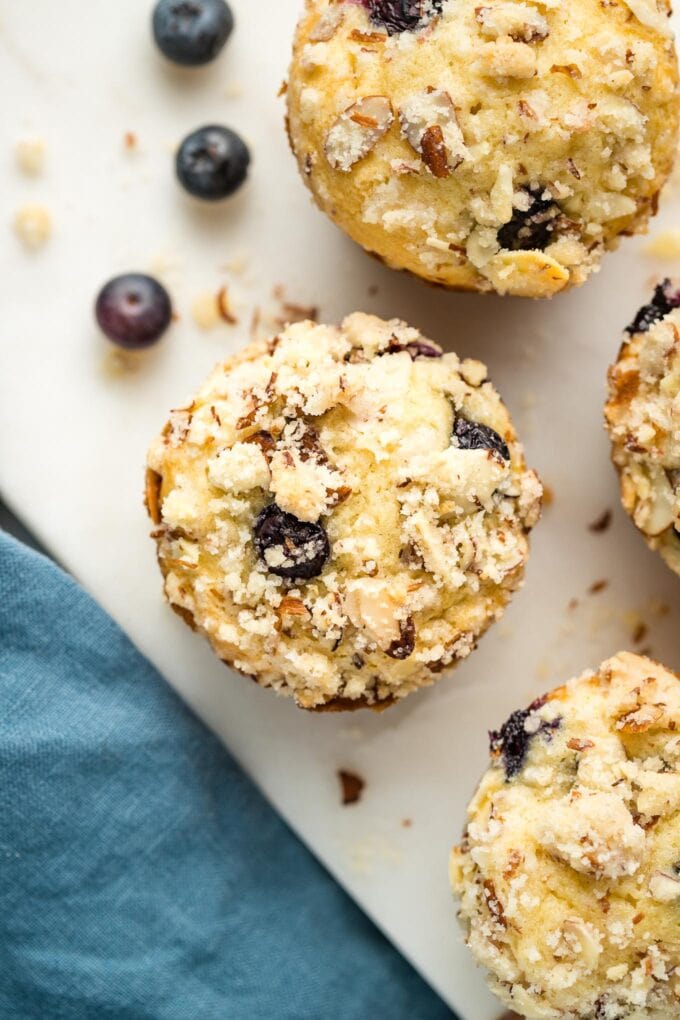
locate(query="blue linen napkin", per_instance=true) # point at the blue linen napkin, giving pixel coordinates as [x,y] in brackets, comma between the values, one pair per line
[142,876]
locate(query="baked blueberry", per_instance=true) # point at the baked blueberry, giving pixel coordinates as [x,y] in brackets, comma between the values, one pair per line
[513,738]
[473,436]
[212,162]
[133,310]
[290,547]
[665,298]
[192,32]
[402,15]
[532,228]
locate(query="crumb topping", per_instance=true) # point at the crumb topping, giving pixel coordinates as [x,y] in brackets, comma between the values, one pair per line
[569,872]
[342,511]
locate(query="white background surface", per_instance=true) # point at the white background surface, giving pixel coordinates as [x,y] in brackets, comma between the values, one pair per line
[73,435]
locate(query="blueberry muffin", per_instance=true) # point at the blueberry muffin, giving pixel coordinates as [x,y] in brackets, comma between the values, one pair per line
[643,420]
[342,511]
[497,146]
[569,870]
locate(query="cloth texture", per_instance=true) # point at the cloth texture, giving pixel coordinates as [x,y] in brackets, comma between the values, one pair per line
[142,875]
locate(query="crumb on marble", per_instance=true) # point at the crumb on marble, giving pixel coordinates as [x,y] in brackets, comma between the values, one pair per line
[33,225]
[351,785]
[601,523]
[30,155]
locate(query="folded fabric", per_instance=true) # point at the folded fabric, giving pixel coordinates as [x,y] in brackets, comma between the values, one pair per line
[142,876]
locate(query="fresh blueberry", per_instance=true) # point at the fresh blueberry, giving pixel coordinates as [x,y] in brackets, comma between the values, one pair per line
[531,228]
[133,310]
[402,15]
[212,162]
[665,299]
[301,547]
[192,32]
[512,740]
[473,436]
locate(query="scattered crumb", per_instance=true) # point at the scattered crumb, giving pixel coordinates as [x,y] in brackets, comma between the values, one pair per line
[352,786]
[205,310]
[117,362]
[283,88]
[224,307]
[548,496]
[209,309]
[406,823]
[665,245]
[640,633]
[373,290]
[30,154]
[573,604]
[598,586]
[233,90]
[130,141]
[33,225]
[602,523]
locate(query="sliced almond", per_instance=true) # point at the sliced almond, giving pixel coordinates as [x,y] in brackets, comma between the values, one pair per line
[372,607]
[291,606]
[663,887]
[641,720]
[357,130]
[430,126]
[526,273]
[585,935]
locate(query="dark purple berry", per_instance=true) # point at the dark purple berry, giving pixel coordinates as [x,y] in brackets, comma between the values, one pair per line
[532,228]
[402,15]
[665,299]
[191,32]
[473,436]
[212,162]
[134,310]
[303,547]
[512,740]
[417,349]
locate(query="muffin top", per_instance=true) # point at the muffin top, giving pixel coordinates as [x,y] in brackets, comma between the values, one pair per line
[643,420]
[569,869]
[499,146]
[342,510]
